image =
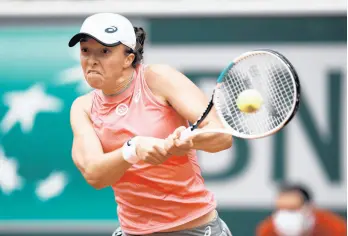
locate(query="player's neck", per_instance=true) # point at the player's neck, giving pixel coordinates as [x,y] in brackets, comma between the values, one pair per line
[122,83]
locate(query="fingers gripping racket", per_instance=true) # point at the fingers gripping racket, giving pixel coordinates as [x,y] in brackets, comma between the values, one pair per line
[273,77]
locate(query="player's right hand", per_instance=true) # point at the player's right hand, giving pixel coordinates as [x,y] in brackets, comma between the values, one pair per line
[178,147]
[151,150]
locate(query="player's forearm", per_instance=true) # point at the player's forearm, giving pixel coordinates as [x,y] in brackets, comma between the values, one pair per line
[106,170]
[212,142]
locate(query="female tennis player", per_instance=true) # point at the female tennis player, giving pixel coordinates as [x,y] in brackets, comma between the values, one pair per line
[126,134]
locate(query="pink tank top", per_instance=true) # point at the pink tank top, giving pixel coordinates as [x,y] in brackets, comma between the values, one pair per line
[149,198]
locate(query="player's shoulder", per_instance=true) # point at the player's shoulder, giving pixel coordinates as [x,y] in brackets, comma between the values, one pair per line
[162,72]
[159,69]
[82,103]
[159,76]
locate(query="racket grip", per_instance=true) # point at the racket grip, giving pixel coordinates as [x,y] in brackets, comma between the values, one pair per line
[186,133]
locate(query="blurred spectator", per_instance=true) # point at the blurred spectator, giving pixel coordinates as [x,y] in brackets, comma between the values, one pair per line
[296,215]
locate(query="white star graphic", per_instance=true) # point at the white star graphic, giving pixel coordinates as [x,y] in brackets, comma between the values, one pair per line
[74,75]
[25,105]
[52,186]
[9,178]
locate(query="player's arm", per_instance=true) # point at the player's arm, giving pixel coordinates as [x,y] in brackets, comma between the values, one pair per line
[100,170]
[190,102]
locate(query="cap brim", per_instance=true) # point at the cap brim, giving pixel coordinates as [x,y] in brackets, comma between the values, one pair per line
[77,38]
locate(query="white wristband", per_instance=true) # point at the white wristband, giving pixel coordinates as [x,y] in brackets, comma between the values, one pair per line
[129,151]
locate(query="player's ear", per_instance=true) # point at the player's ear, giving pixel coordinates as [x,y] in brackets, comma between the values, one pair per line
[129,60]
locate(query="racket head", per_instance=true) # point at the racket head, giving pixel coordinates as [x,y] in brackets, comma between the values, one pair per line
[270,73]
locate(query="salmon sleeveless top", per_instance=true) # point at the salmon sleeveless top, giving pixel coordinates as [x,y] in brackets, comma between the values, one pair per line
[149,198]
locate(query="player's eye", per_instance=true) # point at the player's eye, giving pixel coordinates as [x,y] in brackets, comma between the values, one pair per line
[84,50]
[106,51]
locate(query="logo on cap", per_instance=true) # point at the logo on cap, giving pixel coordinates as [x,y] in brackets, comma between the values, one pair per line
[111,29]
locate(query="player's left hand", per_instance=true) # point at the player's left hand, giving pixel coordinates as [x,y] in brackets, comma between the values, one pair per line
[176,147]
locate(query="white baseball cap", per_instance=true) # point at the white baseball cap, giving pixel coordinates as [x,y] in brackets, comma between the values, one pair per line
[109,29]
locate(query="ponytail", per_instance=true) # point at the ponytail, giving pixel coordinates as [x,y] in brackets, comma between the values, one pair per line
[139,48]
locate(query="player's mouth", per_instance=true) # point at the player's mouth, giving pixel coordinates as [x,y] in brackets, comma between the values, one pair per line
[93,72]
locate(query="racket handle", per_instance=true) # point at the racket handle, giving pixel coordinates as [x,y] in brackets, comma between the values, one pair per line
[186,133]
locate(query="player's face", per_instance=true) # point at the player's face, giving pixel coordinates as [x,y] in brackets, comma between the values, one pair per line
[103,65]
[289,201]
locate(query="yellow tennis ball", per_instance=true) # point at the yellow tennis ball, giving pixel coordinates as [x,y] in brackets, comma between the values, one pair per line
[249,101]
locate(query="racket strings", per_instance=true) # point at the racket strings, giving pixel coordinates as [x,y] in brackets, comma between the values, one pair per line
[254,122]
[246,124]
[268,75]
[241,124]
[266,91]
[282,89]
[276,99]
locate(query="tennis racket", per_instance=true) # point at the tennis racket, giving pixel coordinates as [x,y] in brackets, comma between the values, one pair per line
[275,79]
